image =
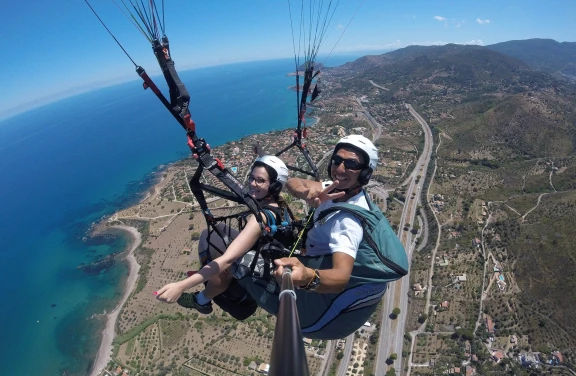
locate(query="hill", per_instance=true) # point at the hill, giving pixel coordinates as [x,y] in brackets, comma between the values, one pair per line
[547,55]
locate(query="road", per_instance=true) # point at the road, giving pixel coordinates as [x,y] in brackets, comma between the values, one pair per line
[392,331]
[346,358]
[378,86]
[328,358]
[376,127]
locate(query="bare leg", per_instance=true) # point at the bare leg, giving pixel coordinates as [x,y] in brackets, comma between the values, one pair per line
[219,283]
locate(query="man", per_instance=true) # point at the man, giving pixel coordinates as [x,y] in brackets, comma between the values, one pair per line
[351,166]
[339,288]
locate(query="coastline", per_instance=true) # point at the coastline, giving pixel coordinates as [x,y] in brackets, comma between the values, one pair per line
[103,355]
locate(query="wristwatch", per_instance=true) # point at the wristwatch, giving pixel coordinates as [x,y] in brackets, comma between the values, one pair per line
[314,282]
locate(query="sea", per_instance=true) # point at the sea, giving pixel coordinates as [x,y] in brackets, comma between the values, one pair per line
[67,165]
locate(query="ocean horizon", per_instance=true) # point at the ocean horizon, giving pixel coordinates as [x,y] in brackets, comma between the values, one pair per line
[69,164]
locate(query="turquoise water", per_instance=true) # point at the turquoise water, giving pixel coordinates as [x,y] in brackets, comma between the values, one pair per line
[68,164]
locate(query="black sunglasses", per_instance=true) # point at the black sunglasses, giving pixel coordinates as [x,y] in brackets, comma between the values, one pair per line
[350,164]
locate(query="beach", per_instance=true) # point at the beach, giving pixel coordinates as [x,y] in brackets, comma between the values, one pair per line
[103,356]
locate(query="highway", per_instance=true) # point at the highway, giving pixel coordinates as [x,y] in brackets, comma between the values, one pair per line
[346,358]
[376,127]
[392,331]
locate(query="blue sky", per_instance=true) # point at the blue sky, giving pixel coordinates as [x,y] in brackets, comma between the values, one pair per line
[58,48]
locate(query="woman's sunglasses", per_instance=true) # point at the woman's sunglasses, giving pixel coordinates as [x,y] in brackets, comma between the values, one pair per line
[350,164]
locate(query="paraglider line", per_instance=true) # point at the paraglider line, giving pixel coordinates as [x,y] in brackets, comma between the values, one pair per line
[109,32]
[343,31]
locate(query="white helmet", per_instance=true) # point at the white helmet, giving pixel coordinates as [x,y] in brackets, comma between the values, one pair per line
[277,165]
[365,145]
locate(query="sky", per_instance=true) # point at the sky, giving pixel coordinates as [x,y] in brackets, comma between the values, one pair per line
[53,49]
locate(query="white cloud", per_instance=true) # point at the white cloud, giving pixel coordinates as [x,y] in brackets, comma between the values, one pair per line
[439,18]
[458,23]
[393,44]
[340,26]
[475,42]
[482,22]
[372,47]
[398,44]
[430,43]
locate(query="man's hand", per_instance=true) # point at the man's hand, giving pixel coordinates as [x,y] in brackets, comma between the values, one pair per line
[169,293]
[325,195]
[312,191]
[301,275]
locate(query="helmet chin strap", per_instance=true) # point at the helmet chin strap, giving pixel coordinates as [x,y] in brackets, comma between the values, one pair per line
[265,198]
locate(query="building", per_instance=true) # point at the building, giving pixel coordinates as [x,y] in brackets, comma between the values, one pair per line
[470,371]
[307,341]
[264,368]
[528,359]
[498,356]
[252,366]
[558,356]
[489,324]
[444,262]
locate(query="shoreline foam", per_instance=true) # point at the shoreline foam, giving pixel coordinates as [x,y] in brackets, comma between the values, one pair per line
[103,356]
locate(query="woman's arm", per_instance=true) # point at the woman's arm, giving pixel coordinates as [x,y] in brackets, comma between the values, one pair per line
[241,245]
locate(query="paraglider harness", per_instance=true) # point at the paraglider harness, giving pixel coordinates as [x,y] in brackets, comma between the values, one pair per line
[284,231]
[284,237]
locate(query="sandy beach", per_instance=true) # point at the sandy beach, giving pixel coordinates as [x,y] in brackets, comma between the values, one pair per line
[108,333]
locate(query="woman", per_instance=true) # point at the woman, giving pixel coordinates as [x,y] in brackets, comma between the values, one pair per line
[267,179]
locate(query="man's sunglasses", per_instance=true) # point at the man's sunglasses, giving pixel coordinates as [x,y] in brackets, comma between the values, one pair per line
[350,164]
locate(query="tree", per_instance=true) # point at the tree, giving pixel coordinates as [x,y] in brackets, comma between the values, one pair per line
[391,372]
[423,317]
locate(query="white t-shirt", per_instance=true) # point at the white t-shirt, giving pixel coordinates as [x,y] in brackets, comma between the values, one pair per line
[337,232]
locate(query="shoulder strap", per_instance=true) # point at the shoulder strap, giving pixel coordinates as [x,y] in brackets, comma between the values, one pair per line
[271,219]
[369,220]
[355,210]
[284,216]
